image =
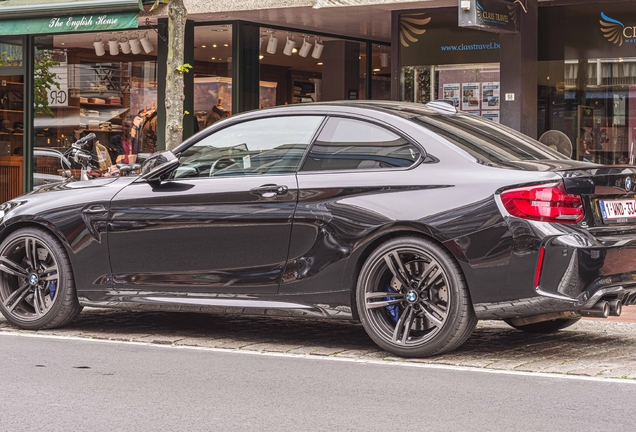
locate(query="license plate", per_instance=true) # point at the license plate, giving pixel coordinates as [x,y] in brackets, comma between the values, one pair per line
[619,210]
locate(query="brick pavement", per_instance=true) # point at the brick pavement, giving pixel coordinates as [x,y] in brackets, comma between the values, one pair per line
[591,347]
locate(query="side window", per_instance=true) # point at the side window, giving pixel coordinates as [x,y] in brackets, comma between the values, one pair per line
[345,144]
[272,145]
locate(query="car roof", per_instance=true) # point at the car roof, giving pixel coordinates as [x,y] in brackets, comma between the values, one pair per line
[403,109]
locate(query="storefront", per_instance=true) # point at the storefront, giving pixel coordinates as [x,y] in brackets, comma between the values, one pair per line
[586,73]
[74,67]
[56,85]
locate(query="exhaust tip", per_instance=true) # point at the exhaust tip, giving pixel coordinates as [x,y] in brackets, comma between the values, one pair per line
[616,307]
[601,309]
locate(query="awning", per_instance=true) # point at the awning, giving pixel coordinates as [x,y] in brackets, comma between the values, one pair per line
[18,17]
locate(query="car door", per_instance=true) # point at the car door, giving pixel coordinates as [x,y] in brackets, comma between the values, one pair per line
[348,187]
[222,222]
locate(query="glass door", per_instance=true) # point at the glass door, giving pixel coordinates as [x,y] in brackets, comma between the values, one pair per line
[11,118]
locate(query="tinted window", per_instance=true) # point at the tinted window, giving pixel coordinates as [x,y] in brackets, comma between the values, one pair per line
[346,144]
[264,146]
[486,141]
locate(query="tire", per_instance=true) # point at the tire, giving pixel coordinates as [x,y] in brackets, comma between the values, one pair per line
[413,300]
[545,326]
[37,290]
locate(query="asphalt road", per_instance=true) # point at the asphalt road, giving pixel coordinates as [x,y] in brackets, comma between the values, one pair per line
[61,385]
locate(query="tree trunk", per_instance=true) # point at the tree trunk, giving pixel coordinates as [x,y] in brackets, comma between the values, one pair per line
[177,16]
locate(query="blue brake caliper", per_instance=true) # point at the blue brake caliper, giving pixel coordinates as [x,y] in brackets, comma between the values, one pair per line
[392,310]
[52,287]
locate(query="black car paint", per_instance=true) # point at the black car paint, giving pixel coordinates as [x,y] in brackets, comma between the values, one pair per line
[210,244]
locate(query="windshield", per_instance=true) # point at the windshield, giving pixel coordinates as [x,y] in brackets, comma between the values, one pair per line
[486,141]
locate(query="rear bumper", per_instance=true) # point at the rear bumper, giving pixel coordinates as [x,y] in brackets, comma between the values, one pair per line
[578,271]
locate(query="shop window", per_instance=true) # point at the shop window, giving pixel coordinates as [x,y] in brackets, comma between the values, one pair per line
[346,144]
[101,84]
[212,74]
[11,118]
[257,147]
[587,106]
[298,67]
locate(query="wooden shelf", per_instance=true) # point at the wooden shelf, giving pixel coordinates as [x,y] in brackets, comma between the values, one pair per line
[11,111]
[101,131]
[18,134]
[13,83]
[100,105]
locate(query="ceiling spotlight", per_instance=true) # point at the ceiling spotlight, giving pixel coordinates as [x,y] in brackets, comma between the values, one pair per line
[124,44]
[289,46]
[305,48]
[261,57]
[225,45]
[272,44]
[214,46]
[384,58]
[376,70]
[213,58]
[99,46]
[146,44]
[317,49]
[319,63]
[203,46]
[135,46]
[113,45]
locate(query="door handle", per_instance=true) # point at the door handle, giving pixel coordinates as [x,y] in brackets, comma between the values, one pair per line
[95,209]
[269,191]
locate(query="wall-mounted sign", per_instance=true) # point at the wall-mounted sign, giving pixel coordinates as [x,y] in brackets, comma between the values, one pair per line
[434,39]
[602,30]
[75,23]
[497,16]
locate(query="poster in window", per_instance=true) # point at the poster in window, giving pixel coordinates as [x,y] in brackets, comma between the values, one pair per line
[451,92]
[470,96]
[491,115]
[490,92]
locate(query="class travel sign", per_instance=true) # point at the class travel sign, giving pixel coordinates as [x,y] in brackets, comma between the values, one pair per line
[494,16]
[616,32]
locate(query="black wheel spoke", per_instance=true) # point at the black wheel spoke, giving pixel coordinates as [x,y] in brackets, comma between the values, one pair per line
[380,304]
[16,297]
[432,318]
[12,268]
[435,308]
[432,274]
[396,266]
[399,327]
[31,247]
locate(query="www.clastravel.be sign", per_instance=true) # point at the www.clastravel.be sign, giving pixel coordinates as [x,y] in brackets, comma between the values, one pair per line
[98,22]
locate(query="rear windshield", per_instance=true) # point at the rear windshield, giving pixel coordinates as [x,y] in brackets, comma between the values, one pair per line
[488,142]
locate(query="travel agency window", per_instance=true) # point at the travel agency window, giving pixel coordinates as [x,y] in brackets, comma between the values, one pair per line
[212,74]
[587,81]
[439,60]
[300,67]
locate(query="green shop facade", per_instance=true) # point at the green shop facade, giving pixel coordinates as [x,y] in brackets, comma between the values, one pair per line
[72,67]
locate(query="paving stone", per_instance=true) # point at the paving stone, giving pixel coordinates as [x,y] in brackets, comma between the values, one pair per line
[587,371]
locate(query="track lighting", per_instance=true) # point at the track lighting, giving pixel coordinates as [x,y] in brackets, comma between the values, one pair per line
[289,46]
[305,48]
[113,45]
[99,46]
[317,49]
[124,44]
[146,44]
[384,59]
[135,46]
[272,44]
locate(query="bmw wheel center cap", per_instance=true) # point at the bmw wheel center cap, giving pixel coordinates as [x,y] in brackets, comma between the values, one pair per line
[628,184]
[411,296]
[33,279]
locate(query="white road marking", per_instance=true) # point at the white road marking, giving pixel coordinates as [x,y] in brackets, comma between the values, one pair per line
[404,363]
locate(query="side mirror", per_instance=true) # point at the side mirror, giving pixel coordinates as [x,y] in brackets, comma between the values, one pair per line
[156,167]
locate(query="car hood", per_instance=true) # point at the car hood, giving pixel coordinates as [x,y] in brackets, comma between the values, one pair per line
[73,185]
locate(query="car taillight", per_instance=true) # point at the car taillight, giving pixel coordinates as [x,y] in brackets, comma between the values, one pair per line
[545,203]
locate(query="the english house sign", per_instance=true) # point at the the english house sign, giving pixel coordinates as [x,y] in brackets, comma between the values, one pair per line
[74,23]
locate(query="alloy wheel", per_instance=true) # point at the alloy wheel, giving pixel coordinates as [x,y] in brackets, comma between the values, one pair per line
[29,278]
[407,297]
